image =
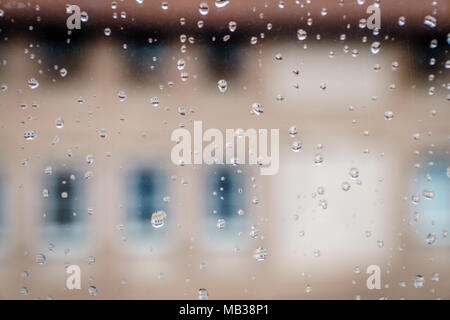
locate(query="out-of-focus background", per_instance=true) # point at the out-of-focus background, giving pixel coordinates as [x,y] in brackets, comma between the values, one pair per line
[85,123]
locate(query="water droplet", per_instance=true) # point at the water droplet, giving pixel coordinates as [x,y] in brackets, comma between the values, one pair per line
[308,288]
[222,3]
[301,34]
[63,72]
[92,290]
[182,110]
[323,204]
[102,133]
[84,17]
[59,123]
[375,47]
[30,135]
[354,173]
[419,281]
[154,101]
[388,115]
[158,218]
[181,64]
[222,85]
[221,224]
[293,131]
[296,146]
[41,258]
[232,25]
[431,238]
[107,32]
[184,76]
[202,294]
[90,159]
[33,83]
[122,96]
[257,108]
[318,159]
[428,193]
[203,8]
[430,21]
[254,232]
[260,254]
[435,277]
[24,291]
[345,186]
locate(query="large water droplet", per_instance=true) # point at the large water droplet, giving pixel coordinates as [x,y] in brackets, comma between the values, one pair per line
[203,8]
[158,218]
[419,281]
[430,21]
[301,34]
[222,3]
[222,85]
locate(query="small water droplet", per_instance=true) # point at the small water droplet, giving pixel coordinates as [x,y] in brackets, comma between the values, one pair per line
[41,259]
[202,294]
[345,186]
[93,291]
[59,123]
[30,135]
[260,254]
[431,238]
[388,115]
[221,224]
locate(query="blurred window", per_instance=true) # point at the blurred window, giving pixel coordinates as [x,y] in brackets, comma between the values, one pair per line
[434,208]
[63,216]
[226,212]
[147,198]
